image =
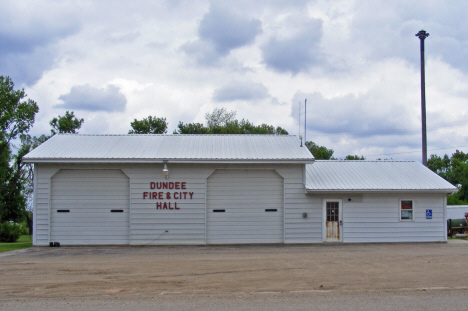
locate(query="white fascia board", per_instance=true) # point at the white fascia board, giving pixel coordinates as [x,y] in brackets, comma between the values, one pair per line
[448,191]
[223,161]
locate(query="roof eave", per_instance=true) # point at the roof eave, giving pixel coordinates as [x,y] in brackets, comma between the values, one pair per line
[448,191]
[223,161]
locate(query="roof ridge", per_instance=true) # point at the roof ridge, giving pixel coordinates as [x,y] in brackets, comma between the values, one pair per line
[176,135]
[361,161]
[184,148]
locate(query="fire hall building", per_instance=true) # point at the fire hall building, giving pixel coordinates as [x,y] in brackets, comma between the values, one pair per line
[225,189]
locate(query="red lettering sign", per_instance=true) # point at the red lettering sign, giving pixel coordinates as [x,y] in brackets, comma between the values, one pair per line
[160,195]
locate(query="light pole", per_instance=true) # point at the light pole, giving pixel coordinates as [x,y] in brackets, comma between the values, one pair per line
[422,34]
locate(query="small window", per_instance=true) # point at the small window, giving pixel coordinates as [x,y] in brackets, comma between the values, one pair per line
[333,210]
[406,210]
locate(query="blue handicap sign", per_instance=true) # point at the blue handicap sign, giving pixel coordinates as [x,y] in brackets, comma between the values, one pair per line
[428,214]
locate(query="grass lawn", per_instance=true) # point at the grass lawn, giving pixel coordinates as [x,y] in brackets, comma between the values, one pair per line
[454,238]
[23,242]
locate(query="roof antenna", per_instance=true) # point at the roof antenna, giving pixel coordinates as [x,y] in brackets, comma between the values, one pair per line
[305,121]
[299,119]
[300,136]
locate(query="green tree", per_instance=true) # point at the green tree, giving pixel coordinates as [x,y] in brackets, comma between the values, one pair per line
[319,152]
[354,157]
[150,125]
[69,124]
[219,118]
[221,121]
[454,169]
[17,116]
[191,128]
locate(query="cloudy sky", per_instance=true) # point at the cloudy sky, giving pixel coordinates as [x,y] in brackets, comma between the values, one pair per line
[356,62]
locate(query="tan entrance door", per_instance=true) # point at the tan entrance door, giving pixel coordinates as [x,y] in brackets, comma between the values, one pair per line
[332,221]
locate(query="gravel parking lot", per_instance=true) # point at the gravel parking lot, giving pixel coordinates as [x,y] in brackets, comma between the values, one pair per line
[187,274]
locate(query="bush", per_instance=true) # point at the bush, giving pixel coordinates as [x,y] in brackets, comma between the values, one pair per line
[10,231]
[455,200]
[24,228]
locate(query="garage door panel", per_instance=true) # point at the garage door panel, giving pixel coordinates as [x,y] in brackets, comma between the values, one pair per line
[90,207]
[63,203]
[253,231]
[236,204]
[105,211]
[217,193]
[84,221]
[257,218]
[240,240]
[255,200]
[226,189]
[89,192]
[106,184]
[90,235]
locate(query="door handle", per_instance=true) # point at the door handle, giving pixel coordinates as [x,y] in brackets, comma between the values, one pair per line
[341,222]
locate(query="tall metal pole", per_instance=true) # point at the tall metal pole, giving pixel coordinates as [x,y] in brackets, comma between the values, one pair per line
[422,34]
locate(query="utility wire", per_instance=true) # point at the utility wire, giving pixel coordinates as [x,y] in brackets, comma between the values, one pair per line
[321,133]
[376,155]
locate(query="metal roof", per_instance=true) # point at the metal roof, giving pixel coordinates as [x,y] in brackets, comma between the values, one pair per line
[173,148]
[356,176]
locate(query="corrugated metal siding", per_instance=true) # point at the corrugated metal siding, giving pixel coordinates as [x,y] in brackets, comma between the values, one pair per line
[297,228]
[456,211]
[42,194]
[187,225]
[376,219]
[244,195]
[184,226]
[367,217]
[171,147]
[90,196]
[373,175]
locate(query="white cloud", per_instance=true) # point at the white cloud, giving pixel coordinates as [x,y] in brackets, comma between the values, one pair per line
[356,62]
[220,31]
[28,34]
[296,47]
[240,91]
[86,97]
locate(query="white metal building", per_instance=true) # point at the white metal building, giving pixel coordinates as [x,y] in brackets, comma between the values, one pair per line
[225,189]
[456,211]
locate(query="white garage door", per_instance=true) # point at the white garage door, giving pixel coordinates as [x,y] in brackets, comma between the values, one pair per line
[245,206]
[90,207]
